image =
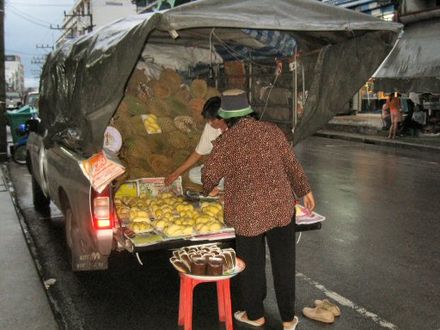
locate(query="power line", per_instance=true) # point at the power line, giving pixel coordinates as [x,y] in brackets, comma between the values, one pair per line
[19,52]
[40,4]
[25,15]
[29,19]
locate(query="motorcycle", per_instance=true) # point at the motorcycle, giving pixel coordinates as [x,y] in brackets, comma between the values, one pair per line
[19,148]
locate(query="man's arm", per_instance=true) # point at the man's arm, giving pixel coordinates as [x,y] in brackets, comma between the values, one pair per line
[187,164]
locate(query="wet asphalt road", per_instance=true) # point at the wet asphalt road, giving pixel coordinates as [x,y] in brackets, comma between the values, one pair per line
[376,255]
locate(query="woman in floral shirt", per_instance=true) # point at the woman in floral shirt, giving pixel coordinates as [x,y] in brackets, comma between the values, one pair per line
[262,181]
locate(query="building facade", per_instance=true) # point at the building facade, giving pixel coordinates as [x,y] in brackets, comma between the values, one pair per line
[153,5]
[14,74]
[383,9]
[88,15]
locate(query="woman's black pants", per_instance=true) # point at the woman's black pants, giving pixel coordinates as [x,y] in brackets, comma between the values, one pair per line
[252,281]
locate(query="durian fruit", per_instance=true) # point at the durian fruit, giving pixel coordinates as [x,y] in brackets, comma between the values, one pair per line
[166,124]
[143,96]
[135,106]
[127,145]
[138,161]
[185,124]
[179,156]
[178,140]
[211,92]
[196,109]
[159,88]
[157,143]
[138,166]
[134,147]
[137,125]
[121,122]
[157,107]
[122,109]
[171,79]
[198,88]
[137,78]
[183,94]
[138,172]
[177,107]
[160,164]
[194,137]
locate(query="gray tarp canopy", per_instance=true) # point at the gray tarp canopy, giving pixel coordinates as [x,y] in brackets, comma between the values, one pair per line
[84,81]
[414,64]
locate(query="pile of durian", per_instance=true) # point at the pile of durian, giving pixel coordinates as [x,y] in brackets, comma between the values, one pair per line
[169,214]
[160,122]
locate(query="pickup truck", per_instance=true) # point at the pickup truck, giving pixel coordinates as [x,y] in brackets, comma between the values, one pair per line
[115,77]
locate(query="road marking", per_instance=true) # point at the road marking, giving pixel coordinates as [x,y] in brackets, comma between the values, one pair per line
[346,302]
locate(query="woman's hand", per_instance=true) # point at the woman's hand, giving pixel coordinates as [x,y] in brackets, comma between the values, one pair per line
[309,201]
[214,192]
[171,178]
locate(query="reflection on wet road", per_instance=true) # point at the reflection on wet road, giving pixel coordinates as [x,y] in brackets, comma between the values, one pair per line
[377,247]
[376,252]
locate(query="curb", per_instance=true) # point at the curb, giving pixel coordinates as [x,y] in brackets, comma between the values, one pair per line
[61,321]
[376,140]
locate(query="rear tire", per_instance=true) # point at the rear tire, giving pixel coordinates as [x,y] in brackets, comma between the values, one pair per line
[41,202]
[72,238]
[19,154]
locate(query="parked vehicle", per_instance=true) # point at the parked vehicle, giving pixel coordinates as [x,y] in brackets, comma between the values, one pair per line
[31,99]
[18,150]
[90,83]
[13,100]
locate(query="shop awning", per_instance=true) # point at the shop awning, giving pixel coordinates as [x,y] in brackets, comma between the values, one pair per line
[414,64]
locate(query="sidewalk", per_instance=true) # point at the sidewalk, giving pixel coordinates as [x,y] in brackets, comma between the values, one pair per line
[23,301]
[367,128]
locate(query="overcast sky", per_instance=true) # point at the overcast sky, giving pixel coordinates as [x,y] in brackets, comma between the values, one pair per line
[27,25]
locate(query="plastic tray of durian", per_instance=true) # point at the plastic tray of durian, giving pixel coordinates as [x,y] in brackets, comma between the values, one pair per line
[134,213]
[170,215]
[175,217]
[139,221]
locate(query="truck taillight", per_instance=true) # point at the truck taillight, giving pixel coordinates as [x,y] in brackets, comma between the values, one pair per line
[102,211]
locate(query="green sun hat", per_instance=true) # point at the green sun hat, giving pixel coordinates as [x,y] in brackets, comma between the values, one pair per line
[234,103]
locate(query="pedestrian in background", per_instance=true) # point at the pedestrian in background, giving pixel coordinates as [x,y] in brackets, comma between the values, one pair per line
[386,117]
[262,179]
[393,104]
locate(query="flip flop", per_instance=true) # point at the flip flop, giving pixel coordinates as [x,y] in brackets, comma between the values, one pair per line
[240,317]
[326,304]
[292,327]
[319,314]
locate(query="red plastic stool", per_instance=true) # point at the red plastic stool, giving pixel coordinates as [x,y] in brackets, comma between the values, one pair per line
[187,285]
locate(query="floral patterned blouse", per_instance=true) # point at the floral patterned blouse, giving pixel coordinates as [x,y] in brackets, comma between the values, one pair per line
[262,176]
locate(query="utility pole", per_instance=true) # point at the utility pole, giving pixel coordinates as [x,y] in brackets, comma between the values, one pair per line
[3,139]
[38,60]
[90,16]
[56,27]
[44,47]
